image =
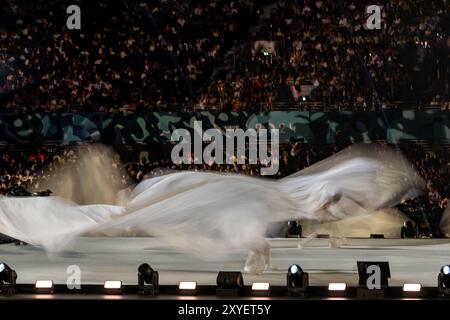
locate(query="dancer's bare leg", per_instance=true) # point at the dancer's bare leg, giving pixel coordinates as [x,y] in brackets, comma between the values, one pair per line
[258,260]
[254,263]
[268,258]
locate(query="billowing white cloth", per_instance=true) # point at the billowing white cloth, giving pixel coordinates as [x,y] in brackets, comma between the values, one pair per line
[213,213]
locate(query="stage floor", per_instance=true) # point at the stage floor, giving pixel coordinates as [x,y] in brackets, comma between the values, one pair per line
[327,260]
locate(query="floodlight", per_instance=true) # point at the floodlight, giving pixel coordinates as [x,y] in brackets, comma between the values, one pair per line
[229,283]
[187,288]
[297,280]
[8,279]
[148,280]
[44,286]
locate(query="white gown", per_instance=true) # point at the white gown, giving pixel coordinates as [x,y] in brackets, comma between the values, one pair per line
[210,214]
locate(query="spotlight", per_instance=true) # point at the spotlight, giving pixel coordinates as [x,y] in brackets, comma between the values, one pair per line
[408,230]
[187,288]
[337,286]
[444,280]
[295,230]
[8,279]
[261,288]
[44,286]
[373,279]
[297,280]
[148,280]
[229,283]
[113,287]
[337,289]
[412,287]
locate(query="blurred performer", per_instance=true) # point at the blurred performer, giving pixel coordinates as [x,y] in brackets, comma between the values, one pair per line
[209,214]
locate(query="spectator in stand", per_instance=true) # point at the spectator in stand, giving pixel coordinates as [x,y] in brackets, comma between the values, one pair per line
[174,55]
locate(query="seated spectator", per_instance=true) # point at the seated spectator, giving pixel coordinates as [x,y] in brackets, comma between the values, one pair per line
[189,55]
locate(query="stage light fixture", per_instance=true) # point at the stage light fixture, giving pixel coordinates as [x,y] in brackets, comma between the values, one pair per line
[373,279]
[44,286]
[260,288]
[113,287]
[148,280]
[229,283]
[337,289]
[337,286]
[188,288]
[412,290]
[444,280]
[8,279]
[297,280]
[408,230]
[412,287]
[187,285]
[446,270]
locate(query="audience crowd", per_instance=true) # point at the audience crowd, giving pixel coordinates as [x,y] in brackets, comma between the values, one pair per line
[320,51]
[222,55]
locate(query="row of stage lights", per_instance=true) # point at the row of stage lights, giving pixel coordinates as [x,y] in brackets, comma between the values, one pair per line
[232,283]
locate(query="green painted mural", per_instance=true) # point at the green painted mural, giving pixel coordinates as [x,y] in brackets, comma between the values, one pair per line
[156,127]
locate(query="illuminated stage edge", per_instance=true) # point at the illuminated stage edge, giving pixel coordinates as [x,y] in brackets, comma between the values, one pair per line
[326,260]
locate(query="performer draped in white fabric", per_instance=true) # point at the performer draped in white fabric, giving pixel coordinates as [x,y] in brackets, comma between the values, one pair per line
[208,213]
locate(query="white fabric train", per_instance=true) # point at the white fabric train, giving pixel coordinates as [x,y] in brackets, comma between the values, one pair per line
[208,213]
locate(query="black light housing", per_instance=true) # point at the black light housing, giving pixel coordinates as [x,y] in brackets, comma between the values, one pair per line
[408,230]
[8,279]
[148,280]
[297,280]
[229,283]
[444,280]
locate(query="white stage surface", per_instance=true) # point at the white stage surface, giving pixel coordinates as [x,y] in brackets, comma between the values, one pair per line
[327,260]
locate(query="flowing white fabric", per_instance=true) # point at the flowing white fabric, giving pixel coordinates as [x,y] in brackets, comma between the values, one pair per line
[210,213]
